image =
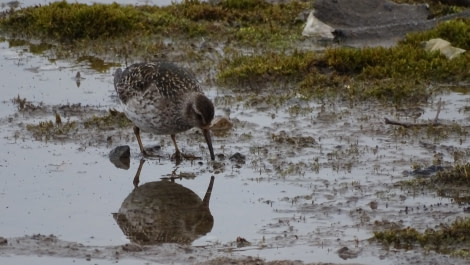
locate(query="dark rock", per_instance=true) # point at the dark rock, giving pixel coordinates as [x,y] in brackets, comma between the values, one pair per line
[120,156]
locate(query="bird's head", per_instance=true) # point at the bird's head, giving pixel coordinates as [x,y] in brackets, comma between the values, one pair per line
[200,111]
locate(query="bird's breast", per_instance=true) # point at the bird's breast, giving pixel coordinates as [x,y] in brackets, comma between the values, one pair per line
[161,117]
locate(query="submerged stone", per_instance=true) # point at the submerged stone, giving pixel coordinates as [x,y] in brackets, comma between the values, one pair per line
[426,172]
[238,158]
[346,253]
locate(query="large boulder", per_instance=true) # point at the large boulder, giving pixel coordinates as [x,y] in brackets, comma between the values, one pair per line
[369,22]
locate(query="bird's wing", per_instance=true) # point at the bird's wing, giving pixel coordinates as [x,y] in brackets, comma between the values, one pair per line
[170,80]
[160,78]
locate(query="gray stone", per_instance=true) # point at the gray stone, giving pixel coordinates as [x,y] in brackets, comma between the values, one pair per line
[120,156]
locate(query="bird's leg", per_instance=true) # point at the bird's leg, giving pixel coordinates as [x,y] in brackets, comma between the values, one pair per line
[142,149]
[137,135]
[177,155]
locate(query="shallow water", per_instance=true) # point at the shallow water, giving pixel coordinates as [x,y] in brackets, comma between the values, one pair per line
[300,201]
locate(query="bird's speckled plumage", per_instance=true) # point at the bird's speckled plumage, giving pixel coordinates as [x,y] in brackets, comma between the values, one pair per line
[162,98]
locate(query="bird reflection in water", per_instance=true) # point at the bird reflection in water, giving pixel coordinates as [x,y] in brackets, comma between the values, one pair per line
[164,212]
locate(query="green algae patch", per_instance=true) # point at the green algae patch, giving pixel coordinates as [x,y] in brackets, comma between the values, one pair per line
[47,130]
[114,119]
[59,129]
[24,105]
[452,239]
[458,175]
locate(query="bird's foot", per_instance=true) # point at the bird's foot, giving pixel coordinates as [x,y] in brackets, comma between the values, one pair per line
[178,156]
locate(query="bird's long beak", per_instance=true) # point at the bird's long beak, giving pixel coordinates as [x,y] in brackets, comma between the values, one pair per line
[207,135]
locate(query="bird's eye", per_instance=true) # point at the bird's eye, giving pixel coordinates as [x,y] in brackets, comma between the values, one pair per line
[199,118]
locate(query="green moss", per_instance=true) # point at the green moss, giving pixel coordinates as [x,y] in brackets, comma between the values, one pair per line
[149,32]
[266,67]
[113,120]
[356,74]
[65,21]
[458,176]
[197,11]
[400,238]
[447,239]
[398,74]
[47,130]
[244,4]
[437,8]
[25,105]
[406,60]
[58,128]
[456,31]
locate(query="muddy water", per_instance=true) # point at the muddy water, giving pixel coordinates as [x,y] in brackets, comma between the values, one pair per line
[312,181]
